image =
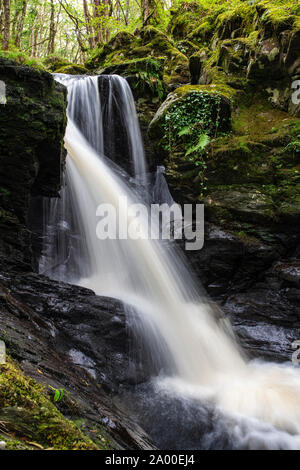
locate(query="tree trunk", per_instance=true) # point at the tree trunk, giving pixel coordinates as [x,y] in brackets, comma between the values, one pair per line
[108,9]
[52,29]
[20,25]
[6,32]
[97,28]
[145,10]
[127,13]
[88,25]
[1,16]
[78,34]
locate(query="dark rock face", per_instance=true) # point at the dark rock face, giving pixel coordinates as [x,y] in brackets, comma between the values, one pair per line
[256,283]
[32,125]
[66,337]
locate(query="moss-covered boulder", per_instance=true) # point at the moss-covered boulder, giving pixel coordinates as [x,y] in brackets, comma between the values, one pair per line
[58,64]
[240,202]
[72,69]
[145,76]
[54,62]
[189,104]
[147,42]
[247,175]
[249,53]
[32,126]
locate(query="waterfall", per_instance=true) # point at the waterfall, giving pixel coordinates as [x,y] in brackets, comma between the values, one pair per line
[200,358]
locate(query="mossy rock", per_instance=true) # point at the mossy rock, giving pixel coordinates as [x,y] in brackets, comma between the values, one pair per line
[120,40]
[30,415]
[54,62]
[187,48]
[240,202]
[179,97]
[32,157]
[72,69]
[16,57]
[196,65]
[146,43]
[157,44]
[145,75]
[185,19]
[149,65]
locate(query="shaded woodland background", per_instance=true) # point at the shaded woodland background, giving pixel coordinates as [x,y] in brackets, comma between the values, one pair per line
[73,27]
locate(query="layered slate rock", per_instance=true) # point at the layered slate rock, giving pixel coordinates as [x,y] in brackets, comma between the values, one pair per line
[66,337]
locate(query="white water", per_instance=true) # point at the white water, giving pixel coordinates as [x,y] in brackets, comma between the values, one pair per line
[205,361]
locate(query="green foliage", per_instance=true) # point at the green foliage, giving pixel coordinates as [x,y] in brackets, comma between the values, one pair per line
[202,21]
[58,394]
[22,59]
[191,124]
[192,116]
[294,145]
[151,77]
[29,414]
[203,141]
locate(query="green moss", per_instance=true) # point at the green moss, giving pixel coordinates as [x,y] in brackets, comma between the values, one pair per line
[72,69]
[147,43]
[210,22]
[279,15]
[23,59]
[257,117]
[29,414]
[187,48]
[213,89]
[54,62]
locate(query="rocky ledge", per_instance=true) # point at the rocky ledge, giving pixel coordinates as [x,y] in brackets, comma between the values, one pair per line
[67,338]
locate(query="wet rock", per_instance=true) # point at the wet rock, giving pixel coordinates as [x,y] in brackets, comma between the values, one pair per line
[228,262]
[250,205]
[66,337]
[32,126]
[195,64]
[91,331]
[267,60]
[288,271]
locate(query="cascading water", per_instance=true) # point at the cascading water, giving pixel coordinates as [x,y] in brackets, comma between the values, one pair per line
[200,359]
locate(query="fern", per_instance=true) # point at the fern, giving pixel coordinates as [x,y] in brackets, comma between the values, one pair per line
[201,144]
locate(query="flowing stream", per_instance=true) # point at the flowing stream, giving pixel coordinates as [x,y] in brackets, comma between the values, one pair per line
[200,361]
